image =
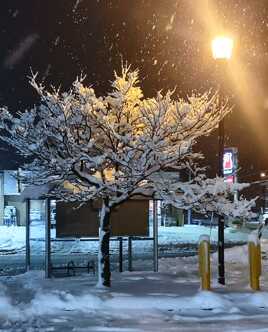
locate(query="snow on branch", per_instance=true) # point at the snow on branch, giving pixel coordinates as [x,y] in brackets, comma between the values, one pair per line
[117,145]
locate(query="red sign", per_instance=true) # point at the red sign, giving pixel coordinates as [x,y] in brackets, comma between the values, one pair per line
[228,162]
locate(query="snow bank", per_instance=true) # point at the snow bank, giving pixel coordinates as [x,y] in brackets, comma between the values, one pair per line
[12,239]
[237,254]
[259,299]
[56,302]
[185,267]
[191,234]
[51,302]
[7,310]
[203,300]
[30,280]
[209,300]
[26,297]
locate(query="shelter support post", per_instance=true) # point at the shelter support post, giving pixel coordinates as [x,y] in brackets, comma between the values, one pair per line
[47,240]
[155,235]
[120,254]
[27,240]
[130,254]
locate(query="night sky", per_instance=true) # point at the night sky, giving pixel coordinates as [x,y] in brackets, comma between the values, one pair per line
[168,40]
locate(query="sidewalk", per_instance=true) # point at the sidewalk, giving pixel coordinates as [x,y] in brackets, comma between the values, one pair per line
[169,300]
[137,301]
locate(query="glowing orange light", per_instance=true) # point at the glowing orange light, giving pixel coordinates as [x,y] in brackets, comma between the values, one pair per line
[222,47]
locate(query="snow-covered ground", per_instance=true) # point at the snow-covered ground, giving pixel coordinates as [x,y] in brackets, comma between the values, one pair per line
[173,241]
[191,234]
[140,301]
[12,239]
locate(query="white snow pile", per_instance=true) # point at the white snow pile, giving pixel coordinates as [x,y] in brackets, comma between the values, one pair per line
[8,311]
[206,300]
[258,300]
[12,238]
[187,267]
[234,255]
[203,300]
[55,301]
[191,234]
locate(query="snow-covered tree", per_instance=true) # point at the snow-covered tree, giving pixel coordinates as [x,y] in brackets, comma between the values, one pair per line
[114,147]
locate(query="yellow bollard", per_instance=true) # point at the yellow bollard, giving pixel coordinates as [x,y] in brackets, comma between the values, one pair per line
[254,251]
[204,261]
[259,258]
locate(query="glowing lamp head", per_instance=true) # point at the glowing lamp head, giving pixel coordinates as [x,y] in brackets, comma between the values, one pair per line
[222,48]
[263,174]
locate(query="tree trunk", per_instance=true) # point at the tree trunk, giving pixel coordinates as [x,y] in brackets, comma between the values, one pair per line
[104,273]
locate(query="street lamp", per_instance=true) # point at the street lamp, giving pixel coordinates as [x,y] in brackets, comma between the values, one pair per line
[222,48]
[263,174]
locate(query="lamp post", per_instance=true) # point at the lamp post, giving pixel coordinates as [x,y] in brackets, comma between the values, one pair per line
[264,178]
[222,48]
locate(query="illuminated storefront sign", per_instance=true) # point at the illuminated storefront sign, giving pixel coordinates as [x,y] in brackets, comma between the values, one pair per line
[230,164]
